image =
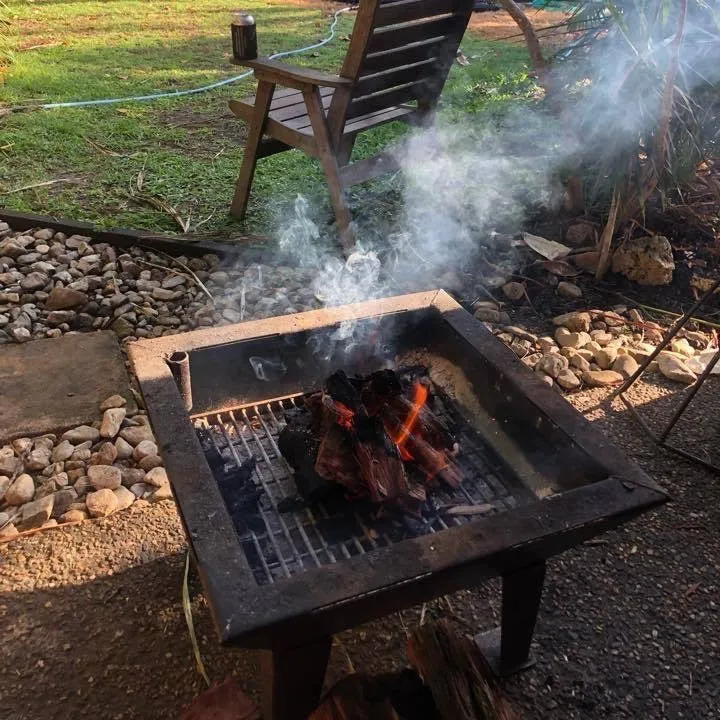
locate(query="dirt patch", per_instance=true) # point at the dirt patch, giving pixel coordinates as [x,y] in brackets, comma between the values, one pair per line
[210,130]
[498,25]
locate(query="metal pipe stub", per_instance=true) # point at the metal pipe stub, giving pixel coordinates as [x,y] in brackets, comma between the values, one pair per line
[179,363]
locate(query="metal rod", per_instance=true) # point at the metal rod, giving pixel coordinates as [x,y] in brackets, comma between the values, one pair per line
[690,456]
[673,330]
[179,363]
[688,398]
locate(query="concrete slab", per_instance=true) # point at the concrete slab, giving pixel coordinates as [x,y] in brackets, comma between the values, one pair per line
[53,384]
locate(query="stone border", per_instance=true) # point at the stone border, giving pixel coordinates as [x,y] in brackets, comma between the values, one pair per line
[125,237]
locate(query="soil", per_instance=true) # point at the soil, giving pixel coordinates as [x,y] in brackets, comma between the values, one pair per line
[92,624]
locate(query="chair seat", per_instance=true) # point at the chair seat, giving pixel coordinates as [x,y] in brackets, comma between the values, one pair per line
[288,108]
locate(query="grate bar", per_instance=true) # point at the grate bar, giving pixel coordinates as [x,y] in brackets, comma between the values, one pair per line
[329,532]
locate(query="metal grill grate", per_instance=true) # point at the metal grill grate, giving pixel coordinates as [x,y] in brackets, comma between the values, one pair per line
[280,544]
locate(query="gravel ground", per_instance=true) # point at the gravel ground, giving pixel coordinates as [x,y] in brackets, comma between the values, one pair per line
[92,625]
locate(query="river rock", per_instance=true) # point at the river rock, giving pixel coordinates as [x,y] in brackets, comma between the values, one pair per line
[682,346]
[65,298]
[574,321]
[569,290]
[73,516]
[547,345]
[143,449]
[131,476]
[675,369]
[513,291]
[63,499]
[111,422]
[105,455]
[123,449]
[125,498]
[35,513]
[104,476]
[34,281]
[552,364]
[162,493]
[37,460]
[80,434]
[567,380]
[9,464]
[157,477]
[21,491]
[101,503]
[114,401]
[646,260]
[63,451]
[150,461]
[137,434]
[22,445]
[601,378]
[625,365]
[606,357]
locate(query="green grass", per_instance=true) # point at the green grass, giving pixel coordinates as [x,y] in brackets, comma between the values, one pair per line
[187,149]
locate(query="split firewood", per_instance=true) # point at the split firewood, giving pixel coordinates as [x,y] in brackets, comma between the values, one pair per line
[460,680]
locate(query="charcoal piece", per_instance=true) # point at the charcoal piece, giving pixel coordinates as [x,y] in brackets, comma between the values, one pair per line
[241,499]
[385,383]
[292,504]
[337,530]
[341,389]
[212,454]
[300,448]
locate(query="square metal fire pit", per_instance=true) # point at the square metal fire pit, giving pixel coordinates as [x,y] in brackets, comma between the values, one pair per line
[287,581]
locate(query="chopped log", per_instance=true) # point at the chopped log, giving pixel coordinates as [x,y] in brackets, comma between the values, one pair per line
[351,699]
[460,680]
[383,474]
[335,460]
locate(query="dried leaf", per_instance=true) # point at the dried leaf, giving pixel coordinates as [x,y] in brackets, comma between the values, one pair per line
[547,248]
[560,267]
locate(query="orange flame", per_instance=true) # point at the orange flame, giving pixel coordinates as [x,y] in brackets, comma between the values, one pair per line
[420,394]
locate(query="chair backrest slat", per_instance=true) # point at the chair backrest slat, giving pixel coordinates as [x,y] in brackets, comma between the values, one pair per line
[402,11]
[400,52]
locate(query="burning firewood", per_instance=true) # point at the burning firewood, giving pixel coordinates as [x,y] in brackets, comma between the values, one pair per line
[375,436]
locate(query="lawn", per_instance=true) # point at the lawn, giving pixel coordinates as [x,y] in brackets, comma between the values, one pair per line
[186,150]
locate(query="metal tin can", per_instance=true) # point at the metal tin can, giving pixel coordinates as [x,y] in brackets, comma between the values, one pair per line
[244,36]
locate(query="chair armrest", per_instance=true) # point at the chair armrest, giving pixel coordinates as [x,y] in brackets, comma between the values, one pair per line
[293,76]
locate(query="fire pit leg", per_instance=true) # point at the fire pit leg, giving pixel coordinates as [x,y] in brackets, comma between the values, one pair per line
[507,648]
[293,680]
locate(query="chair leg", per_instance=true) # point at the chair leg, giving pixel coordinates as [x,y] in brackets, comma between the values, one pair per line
[329,162]
[263,98]
[345,150]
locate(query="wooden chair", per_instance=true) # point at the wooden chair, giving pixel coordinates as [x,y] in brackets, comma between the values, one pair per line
[395,68]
